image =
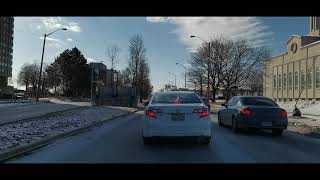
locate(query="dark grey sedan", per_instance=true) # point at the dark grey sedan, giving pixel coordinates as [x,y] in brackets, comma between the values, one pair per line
[253,112]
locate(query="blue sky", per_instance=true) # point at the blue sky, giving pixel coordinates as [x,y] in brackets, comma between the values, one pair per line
[166,38]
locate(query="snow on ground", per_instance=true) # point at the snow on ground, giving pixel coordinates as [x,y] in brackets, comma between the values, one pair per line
[306,107]
[58,101]
[25,132]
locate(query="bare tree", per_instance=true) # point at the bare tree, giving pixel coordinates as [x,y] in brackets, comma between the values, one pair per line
[241,60]
[138,68]
[28,75]
[305,80]
[113,53]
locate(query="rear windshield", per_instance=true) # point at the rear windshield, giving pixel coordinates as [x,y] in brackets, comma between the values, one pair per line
[176,98]
[257,101]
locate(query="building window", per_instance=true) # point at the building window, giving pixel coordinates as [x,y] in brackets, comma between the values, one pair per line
[318,76]
[284,81]
[302,80]
[279,82]
[296,80]
[290,80]
[309,78]
[274,82]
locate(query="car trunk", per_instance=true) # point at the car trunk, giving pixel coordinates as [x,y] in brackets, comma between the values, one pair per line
[178,112]
[265,115]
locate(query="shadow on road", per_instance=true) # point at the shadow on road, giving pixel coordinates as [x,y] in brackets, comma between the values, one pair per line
[176,143]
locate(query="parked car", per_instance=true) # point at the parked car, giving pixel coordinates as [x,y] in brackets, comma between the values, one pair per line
[253,112]
[176,114]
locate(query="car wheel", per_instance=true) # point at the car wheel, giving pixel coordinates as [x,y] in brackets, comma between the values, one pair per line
[277,132]
[147,140]
[235,129]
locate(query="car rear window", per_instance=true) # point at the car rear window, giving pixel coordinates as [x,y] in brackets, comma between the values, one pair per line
[257,101]
[176,98]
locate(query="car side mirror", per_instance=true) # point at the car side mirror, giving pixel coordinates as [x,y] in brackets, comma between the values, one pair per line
[146,103]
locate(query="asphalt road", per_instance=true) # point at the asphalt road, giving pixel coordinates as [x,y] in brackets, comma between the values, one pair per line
[119,141]
[16,113]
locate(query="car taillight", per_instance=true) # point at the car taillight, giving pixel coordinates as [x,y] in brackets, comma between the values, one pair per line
[283,114]
[204,112]
[152,112]
[246,111]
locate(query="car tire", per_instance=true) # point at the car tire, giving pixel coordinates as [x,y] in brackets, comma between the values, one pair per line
[277,132]
[235,128]
[147,140]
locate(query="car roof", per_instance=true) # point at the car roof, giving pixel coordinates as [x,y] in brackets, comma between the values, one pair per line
[173,92]
[252,97]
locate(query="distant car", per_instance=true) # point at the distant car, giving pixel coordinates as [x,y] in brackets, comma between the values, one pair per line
[206,101]
[176,114]
[253,112]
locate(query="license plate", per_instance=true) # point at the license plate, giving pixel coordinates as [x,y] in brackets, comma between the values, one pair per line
[177,117]
[267,124]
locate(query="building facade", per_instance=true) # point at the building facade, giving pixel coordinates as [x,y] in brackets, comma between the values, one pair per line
[6,44]
[296,73]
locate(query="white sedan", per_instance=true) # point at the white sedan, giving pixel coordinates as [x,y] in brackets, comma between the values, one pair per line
[176,114]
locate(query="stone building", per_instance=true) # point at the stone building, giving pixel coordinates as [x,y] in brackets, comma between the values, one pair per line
[295,73]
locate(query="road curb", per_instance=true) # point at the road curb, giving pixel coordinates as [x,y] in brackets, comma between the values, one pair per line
[9,154]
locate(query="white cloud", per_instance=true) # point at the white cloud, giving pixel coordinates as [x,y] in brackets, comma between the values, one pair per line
[54,40]
[90,60]
[70,40]
[250,28]
[157,19]
[58,22]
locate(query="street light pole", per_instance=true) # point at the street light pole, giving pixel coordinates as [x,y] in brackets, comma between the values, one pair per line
[175,79]
[41,64]
[39,79]
[209,66]
[185,74]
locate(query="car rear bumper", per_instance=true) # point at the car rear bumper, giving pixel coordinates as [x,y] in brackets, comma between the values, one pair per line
[280,124]
[152,130]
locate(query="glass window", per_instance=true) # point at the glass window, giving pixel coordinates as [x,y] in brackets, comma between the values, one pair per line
[290,80]
[274,82]
[302,79]
[279,82]
[257,101]
[284,81]
[176,97]
[296,80]
[309,78]
[318,76]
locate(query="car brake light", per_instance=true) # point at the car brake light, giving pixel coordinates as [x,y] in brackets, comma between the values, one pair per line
[204,112]
[283,114]
[152,112]
[246,111]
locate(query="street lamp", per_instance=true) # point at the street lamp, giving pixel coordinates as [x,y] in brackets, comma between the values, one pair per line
[209,56]
[175,79]
[44,44]
[185,75]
